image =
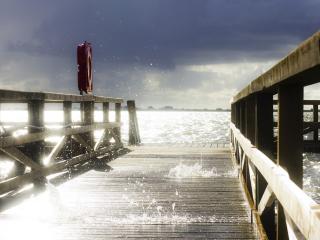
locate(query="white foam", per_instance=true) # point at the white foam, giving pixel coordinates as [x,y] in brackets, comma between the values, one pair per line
[187,171]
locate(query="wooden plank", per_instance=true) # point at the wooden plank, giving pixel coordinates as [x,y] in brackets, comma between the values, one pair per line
[304,60]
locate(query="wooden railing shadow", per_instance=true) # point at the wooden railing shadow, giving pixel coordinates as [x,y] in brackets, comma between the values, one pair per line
[17,196]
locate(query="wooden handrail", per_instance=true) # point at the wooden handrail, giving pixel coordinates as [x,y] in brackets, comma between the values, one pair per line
[298,206]
[21,96]
[304,59]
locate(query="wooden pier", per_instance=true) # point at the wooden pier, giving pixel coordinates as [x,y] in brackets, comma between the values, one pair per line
[136,196]
[252,190]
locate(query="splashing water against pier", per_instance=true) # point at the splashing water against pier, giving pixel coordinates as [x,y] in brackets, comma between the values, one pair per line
[195,170]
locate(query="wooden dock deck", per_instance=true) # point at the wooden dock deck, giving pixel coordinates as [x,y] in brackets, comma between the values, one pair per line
[152,192]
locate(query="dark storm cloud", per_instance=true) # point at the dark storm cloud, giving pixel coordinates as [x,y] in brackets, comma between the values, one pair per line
[165,31]
[138,40]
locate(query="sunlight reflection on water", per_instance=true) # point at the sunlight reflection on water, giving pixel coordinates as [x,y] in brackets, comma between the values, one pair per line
[171,127]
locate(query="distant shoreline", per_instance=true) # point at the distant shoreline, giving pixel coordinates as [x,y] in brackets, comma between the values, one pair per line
[183,110]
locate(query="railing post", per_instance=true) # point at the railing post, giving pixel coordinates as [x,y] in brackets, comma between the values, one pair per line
[88,118]
[134,136]
[233,113]
[315,120]
[243,117]
[237,119]
[105,109]
[290,129]
[290,141]
[36,124]
[67,111]
[264,141]
[251,118]
[118,119]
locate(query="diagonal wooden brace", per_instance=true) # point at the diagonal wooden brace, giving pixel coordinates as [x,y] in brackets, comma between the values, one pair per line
[83,142]
[21,157]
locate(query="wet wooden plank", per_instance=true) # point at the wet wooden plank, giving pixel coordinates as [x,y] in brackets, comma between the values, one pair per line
[152,192]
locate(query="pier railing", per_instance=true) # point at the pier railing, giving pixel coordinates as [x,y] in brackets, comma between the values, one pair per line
[271,162]
[76,142]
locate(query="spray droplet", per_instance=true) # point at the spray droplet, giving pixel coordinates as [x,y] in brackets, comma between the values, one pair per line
[173,206]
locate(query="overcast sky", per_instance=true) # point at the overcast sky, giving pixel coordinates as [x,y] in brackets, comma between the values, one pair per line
[184,53]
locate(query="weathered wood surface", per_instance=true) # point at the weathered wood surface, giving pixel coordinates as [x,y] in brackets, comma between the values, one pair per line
[136,197]
[22,96]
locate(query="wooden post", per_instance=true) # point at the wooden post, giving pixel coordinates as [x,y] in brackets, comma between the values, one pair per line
[290,141]
[36,124]
[105,109]
[134,136]
[250,118]
[88,118]
[118,119]
[67,110]
[233,110]
[264,141]
[243,117]
[238,115]
[315,120]
[290,124]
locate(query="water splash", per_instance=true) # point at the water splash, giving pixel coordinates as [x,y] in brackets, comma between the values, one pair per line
[173,206]
[196,170]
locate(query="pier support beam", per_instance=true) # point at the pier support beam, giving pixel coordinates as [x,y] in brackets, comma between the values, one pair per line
[134,135]
[36,124]
[243,117]
[251,118]
[290,141]
[290,130]
[238,115]
[67,111]
[118,119]
[264,141]
[105,109]
[315,120]
[88,118]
